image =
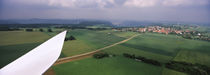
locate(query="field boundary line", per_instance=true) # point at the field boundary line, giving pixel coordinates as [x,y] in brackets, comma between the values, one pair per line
[71,58]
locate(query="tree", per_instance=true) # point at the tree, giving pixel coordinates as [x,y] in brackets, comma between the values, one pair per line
[189,68]
[49,30]
[143,59]
[29,30]
[187,36]
[4,28]
[70,38]
[41,30]
[100,55]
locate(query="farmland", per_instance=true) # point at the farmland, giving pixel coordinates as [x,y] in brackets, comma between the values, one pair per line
[193,57]
[104,37]
[171,72]
[16,43]
[21,37]
[88,40]
[160,47]
[107,66]
[163,48]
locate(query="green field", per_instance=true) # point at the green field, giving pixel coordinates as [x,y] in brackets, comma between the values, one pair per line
[89,40]
[21,37]
[119,50]
[160,47]
[171,72]
[108,66]
[11,52]
[76,47]
[193,57]
[166,46]
[16,43]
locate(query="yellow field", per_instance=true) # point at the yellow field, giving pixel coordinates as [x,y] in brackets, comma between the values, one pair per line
[74,47]
[171,72]
[21,37]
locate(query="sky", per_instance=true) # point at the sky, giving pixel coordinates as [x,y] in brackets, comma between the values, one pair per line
[138,10]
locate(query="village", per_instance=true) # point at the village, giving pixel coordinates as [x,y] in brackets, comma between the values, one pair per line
[156,29]
[185,33]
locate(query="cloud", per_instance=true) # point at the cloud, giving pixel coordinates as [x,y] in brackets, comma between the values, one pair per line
[65,3]
[27,2]
[153,3]
[140,3]
[81,3]
[109,3]
[195,10]
[184,2]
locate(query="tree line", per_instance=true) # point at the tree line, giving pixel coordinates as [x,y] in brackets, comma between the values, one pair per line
[4,28]
[41,30]
[70,38]
[143,59]
[100,55]
[103,55]
[189,68]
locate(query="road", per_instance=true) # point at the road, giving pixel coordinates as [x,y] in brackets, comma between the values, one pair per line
[82,56]
[88,54]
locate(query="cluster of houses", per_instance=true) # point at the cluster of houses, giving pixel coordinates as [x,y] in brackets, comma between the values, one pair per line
[185,33]
[157,29]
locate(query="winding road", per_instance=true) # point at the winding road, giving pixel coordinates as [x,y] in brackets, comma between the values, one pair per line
[82,56]
[88,54]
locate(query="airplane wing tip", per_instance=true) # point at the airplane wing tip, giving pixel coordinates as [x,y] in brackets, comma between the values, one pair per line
[16,67]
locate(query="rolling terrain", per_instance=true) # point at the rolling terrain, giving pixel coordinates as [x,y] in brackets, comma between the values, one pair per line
[163,48]
[160,47]
[107,66]
[16,43]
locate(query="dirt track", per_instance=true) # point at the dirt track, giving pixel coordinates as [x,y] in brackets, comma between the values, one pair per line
[88,54]
[50,71]
[82,56]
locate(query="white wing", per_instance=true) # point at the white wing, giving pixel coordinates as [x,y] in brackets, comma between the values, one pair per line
[38,60]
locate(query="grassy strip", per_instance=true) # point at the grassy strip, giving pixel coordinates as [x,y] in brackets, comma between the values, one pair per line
[11,52]
[107,66]
[189,68]
[143,59]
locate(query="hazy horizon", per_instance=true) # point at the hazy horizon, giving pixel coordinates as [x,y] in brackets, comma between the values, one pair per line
[138,10]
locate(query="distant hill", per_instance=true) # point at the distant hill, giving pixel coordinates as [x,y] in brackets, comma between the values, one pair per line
[88,22]
[130,23]
[134,23]
[55,21]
